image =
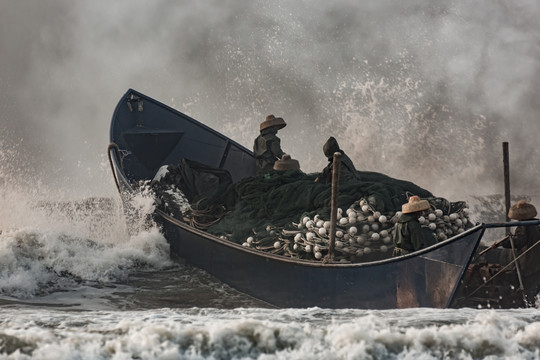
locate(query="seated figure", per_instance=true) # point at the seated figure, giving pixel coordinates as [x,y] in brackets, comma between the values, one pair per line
[347,171]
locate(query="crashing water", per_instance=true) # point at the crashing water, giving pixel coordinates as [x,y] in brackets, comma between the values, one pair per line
[249,333]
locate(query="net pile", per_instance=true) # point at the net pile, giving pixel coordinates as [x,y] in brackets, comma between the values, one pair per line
[288,214]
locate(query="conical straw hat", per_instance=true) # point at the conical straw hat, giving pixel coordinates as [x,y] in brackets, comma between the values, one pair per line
[414,205]
[286,163]
[522,211]
[270,121]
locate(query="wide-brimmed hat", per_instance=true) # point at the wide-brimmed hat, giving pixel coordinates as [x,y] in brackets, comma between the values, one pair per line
[522,210]
[286,163]
[271,120]
[414,205]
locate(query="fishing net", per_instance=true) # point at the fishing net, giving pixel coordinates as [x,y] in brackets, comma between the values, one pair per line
[288,213]
[281,199]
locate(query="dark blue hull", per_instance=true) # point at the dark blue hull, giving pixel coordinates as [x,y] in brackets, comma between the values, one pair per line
[428,278]
[147,134]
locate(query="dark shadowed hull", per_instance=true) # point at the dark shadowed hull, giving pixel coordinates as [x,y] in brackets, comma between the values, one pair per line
[427,278]
[147,134]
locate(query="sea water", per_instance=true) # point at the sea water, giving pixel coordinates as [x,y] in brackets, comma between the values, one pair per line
[256,333]
[80,286]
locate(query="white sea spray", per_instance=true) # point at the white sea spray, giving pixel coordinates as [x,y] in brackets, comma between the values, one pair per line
[31,260]
[49,240]
[272,334]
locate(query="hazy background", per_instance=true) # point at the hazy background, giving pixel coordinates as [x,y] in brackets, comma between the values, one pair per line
[423,90]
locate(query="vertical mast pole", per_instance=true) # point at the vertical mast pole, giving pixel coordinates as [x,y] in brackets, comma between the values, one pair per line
[336,162]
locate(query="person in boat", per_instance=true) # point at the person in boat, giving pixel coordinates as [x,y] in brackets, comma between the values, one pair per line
[286,163]
[267,146]
[347,171]
[526,241]
[409,236]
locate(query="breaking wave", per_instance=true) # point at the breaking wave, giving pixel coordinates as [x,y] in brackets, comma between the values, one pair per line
[311,333]
[49,241]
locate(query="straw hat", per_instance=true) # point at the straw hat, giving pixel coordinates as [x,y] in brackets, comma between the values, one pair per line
[414,205]
[286,163]
[271,120]
[522,211]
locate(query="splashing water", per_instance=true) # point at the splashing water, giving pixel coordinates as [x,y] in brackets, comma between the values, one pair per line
[49,244]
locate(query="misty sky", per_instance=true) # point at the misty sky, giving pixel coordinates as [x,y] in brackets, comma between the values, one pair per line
[423,90]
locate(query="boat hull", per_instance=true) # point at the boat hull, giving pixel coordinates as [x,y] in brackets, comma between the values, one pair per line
[424,279]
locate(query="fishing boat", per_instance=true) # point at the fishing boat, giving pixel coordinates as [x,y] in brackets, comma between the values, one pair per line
[146,135]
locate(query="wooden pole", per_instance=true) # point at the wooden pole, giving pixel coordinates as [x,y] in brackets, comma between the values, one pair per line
[506,182]
[336,162]
[506,163]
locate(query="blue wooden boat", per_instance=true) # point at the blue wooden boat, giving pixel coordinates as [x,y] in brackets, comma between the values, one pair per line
[146,134]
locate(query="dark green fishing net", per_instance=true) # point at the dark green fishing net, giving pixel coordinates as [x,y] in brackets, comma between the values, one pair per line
[282,199]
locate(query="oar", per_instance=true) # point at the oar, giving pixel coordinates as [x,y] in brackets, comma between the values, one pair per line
[494,245]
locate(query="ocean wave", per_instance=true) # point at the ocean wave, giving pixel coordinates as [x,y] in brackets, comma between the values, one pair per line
[34,263]
[272,334]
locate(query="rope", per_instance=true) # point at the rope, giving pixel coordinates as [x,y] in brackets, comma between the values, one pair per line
[199,216]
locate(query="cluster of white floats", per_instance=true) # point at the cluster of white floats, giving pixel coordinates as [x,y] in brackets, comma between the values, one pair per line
[360,230]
